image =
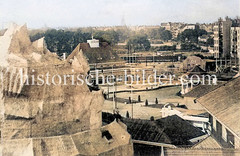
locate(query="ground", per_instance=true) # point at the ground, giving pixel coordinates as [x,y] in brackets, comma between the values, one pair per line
[164,95]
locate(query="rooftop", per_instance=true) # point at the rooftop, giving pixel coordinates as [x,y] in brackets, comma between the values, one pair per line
[224,104]
[201,90]
[169,130]
[208,142]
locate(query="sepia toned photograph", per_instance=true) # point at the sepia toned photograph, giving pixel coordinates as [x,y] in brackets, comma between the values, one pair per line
[119,78]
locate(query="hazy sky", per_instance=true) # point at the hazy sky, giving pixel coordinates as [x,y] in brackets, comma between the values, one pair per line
[76,13]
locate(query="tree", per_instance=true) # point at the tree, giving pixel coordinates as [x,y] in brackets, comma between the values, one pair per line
[62,41]
[156,101]
[36,36]
[165,48]
[191,35]
[123,33]
[189,47]
[153,34]
[210,41]
[139,98]
[110,36]
[152,118]
[139,42]
[165,35]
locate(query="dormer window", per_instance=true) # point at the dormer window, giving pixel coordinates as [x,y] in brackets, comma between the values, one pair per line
[107,135]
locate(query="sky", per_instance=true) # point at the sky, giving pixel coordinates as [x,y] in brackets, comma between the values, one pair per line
[82,13]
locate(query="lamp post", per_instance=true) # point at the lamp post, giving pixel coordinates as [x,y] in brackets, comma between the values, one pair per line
[131,93]
[153,58]
[114,91]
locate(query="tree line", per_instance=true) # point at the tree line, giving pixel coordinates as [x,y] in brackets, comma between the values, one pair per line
[64,41]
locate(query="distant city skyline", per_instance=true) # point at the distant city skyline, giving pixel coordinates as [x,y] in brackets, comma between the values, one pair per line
[80,13]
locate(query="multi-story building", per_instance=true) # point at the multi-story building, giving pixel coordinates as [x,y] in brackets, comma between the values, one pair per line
[222,38]
[175,27]
[235,43]
[167,26]
[227,43]
[207,27]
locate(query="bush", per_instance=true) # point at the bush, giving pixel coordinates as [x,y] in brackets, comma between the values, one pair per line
[146,103]
[189,47]
[127,115]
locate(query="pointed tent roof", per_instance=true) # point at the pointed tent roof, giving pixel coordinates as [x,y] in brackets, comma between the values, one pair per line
[197,69]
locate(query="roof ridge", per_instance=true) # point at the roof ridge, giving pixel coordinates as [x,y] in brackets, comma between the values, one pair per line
[224,84]
[200,141]
[199,86]
[206,139]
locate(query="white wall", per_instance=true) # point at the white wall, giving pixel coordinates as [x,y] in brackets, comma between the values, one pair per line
[214,124]
[93,43]
[224,133]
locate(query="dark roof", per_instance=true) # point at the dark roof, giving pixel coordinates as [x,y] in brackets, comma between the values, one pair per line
[193,60]
[171,130]
[84,46]
[178,130]
[197,69]
[146,130]
[103,53]
[224,104]
[201,90]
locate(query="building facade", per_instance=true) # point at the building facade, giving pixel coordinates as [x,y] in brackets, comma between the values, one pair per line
[235,43]
[222,38]
[223,107]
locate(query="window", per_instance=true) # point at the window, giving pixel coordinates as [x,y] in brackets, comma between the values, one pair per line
[107,135]
[219,129]
[230,138]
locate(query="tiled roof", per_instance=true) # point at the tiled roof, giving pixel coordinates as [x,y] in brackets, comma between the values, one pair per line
[91,142]
[170,130]
[146,131]
[224,104]
[197,69]
[201,152]
[208,142]
[201,90]
[178,130]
